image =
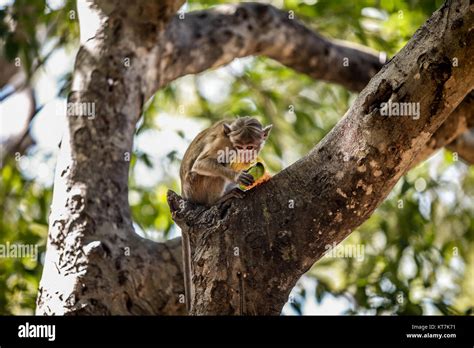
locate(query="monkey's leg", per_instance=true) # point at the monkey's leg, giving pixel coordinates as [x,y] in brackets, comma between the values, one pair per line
[234,193]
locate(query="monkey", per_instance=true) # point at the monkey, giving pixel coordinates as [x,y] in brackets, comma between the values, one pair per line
[206,172]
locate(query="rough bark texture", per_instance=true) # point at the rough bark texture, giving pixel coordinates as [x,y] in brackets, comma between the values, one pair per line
[211,38]
[249,254]
[454,133]
[244,267]
[95,264]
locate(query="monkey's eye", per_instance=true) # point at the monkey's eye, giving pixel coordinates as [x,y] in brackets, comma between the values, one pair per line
[249,147]
[239,147]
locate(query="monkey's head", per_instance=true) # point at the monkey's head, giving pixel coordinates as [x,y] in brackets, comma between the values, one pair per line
[247,136]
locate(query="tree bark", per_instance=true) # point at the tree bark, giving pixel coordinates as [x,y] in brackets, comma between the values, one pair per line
[95,264]
[454,133]
[212,38]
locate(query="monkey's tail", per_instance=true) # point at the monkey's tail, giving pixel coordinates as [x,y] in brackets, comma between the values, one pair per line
[187,270]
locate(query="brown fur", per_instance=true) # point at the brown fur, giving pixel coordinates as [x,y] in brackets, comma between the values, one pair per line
[195,187]
[203,179]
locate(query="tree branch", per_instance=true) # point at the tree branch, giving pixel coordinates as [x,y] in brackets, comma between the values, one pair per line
[321,198]
[214,37]
[457,124]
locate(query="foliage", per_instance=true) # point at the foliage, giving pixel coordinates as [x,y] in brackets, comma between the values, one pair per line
[24,208]
[33,30]
[418,244]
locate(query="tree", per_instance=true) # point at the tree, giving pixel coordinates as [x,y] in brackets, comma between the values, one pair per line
[102,267]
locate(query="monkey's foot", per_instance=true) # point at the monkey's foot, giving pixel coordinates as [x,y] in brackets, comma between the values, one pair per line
[234,193]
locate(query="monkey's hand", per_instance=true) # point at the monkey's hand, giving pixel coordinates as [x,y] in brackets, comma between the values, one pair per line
[245,178]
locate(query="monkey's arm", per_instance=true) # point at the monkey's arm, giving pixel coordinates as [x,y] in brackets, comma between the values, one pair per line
[209,166]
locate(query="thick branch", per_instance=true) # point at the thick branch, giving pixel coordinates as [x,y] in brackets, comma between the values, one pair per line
[249,254]
[214,37]
[457,124]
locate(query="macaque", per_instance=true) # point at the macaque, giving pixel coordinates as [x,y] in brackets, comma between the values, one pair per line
[208,170]
[207,174]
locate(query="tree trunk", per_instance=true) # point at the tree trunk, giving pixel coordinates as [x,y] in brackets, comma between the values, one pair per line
[95,263]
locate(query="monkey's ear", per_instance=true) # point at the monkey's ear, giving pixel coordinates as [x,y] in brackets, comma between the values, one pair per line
[226,129]
[266,131]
